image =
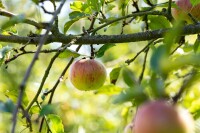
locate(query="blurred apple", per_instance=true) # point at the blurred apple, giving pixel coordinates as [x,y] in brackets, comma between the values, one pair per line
[162,117]
[183,8]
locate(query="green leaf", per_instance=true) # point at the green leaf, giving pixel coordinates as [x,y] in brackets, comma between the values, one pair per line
[3,52]
[103,49]
[181,61]
[95,5]
[158,22]
[134,94]
[1,4]
[196,114]
[81,7]
[11,88]
[69,24]
[157,86]
[77,6]
[34,109]
[157,57]
[173,35]
[77,15]
[125,113]
[8,106]
[194,2]
[55,123]
[69,53]
[14,20]
[196,44]
[109,7]
[74,16]
[2,107]
[129,77]
[47,109]
[188,47]
[109,1]
[114,74]
[122,5]
[108,90]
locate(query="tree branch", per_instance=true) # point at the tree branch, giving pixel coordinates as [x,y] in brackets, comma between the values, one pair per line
[28,119]
[27,21]
[29,52]
[101,39]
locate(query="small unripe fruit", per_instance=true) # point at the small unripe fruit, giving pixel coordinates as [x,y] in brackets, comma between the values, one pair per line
[161,117]
[87,74]
[185,7]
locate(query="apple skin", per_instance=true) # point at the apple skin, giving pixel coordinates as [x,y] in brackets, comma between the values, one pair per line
[161,117]
[185,7]
[87,74]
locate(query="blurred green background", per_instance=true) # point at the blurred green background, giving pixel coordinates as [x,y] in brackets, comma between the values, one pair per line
[102,111]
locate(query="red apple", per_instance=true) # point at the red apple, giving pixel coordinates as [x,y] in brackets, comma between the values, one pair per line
[87,74]
[185,7]
[162,117]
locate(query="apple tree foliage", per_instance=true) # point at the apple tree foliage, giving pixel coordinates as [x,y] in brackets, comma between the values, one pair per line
[148,55]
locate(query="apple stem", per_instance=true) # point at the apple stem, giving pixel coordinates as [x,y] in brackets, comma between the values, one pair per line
[92,51]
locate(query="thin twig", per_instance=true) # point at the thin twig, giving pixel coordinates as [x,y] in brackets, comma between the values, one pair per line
[135,4]
[193,19]
[142,50]
[124,23]
[92,51]
[45,76]
[182,41]
[149,3]
[55,29]
[25,113]
[59,79]
[29,52]
[27,74]
[184,86]
[93,19]
[41,125]
[52,91]
[23,130]
[45,11]
[61,76]
[27,21]
[143,66]
[43,81]
[169,11]
[38,104]
[142,13]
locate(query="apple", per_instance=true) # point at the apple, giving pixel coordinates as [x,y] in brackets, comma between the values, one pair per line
[162,117]
[183,8]
[87,74]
